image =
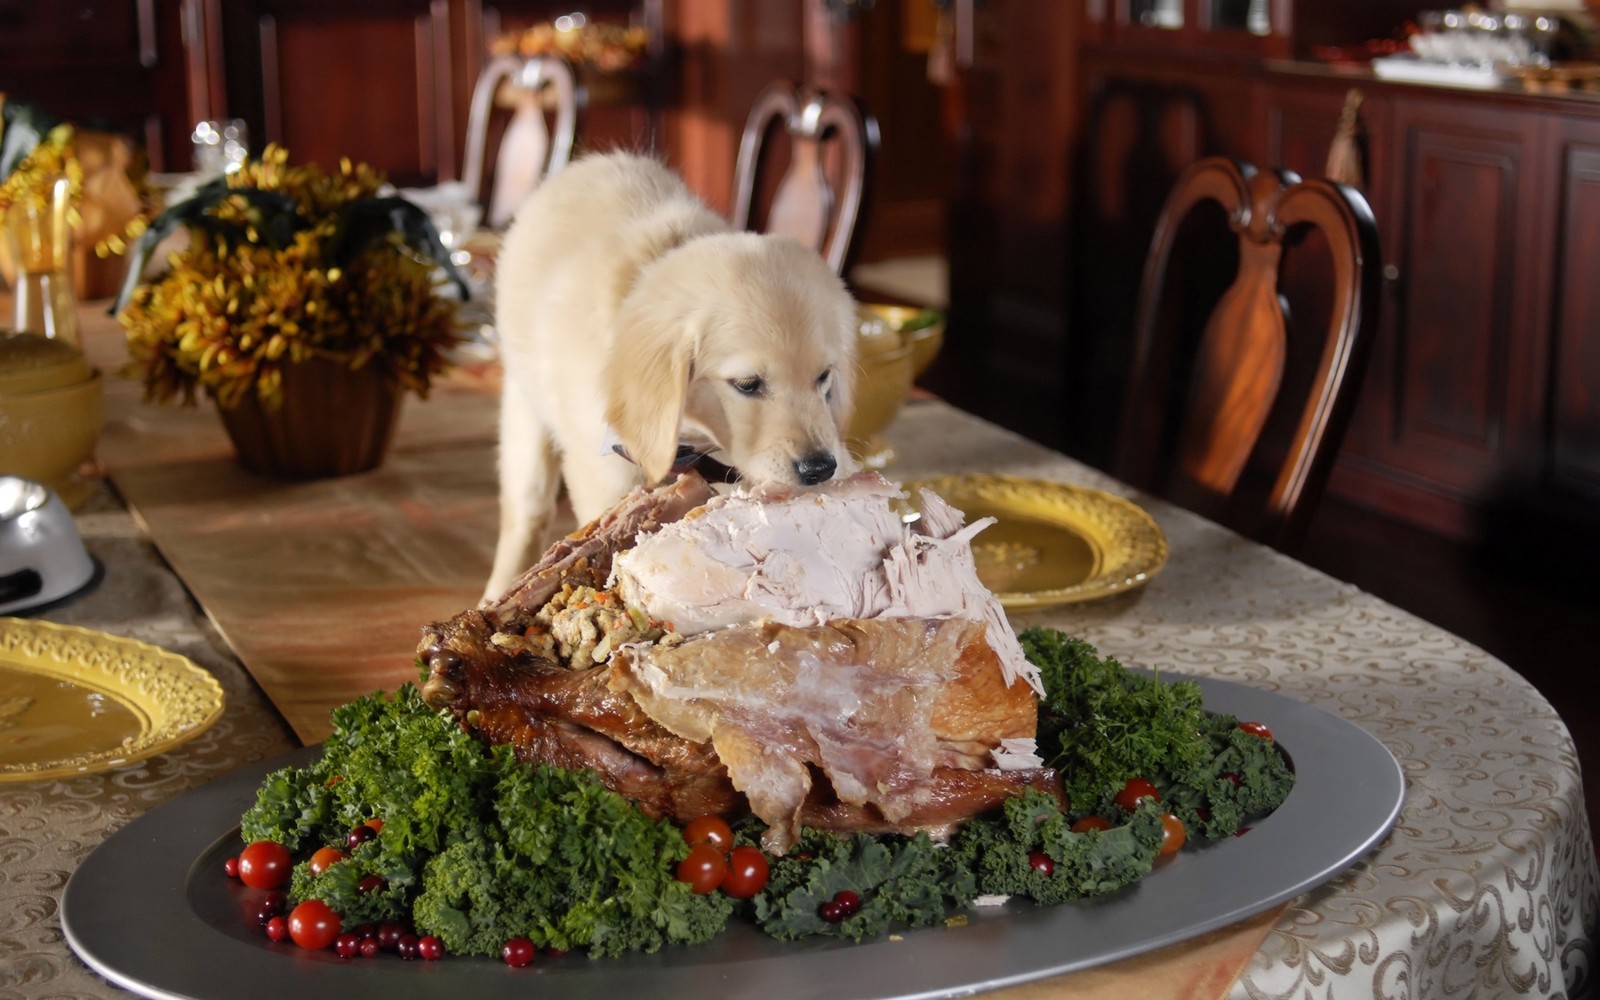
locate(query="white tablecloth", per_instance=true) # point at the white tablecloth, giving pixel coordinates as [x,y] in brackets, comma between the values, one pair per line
[1486,888]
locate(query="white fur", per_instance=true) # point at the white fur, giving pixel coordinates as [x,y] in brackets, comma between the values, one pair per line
[624,301]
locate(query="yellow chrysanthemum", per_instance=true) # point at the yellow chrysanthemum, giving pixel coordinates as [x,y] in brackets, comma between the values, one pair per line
[230,314]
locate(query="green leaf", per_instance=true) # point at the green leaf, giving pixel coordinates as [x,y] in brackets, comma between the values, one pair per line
[274,211]
[22,127]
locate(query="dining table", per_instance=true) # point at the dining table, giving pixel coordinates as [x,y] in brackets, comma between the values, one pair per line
[299,596]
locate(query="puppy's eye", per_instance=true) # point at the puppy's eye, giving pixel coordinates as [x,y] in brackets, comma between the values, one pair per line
[825,383]
[751,386]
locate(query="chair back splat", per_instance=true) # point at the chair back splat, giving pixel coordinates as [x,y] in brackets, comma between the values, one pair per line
[1242,421]
[530,149]
[820,197]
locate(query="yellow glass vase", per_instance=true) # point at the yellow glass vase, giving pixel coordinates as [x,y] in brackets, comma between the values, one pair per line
[40,239]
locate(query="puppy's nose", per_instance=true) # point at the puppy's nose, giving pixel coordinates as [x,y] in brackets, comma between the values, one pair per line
[814,468]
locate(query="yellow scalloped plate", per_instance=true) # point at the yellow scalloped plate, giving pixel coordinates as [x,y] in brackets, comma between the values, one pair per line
[73,700]
[1053,543]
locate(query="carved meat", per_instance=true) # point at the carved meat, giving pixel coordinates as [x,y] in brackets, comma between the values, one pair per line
[806,557]
[590,719]
[875,706]
[584,557]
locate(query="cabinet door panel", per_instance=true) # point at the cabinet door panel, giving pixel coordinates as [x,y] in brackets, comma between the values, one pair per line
[341,78]
[1457,394]
[1574,453]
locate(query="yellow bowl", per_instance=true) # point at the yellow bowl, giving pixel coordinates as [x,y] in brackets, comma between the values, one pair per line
[46,435]
[882,383]
[923,329]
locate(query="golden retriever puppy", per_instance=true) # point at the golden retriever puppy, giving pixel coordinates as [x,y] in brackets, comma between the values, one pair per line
[635,327]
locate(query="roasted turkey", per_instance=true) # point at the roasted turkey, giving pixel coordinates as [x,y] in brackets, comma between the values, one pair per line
[805,656]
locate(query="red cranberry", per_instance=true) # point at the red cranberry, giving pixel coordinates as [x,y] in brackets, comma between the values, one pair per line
[1040,862]
[369,947]
[406,947]
[347,945]
[429,948]
[832,911]
[278,929]
[230,867]
[359,835]
[389,933]
[517,952]
[1233,778]
[848,901]
[371,883]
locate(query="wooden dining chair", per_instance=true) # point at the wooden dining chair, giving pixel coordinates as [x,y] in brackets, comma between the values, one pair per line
[1238,413]
[819,199]
[530,148]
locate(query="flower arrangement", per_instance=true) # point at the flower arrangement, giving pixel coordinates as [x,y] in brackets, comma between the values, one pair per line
[604,47]
[35,150]
[286,264]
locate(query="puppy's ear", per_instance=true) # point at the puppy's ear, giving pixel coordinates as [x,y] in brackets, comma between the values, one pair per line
[646,381]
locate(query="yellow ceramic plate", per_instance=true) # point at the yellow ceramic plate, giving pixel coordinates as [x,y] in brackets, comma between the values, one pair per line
[73,700]
[1054,543]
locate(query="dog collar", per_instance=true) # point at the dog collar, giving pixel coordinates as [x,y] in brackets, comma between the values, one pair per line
[685,458]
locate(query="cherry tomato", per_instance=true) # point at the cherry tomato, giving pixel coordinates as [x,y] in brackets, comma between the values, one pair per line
[517,952]
[1135,792]
[374,824]
[1257,729]
[713,830]
[265,864]
[1042,863]
[313,925]
[1089,823]
[325,858]
[747,872]
[430,948]
[704,869]
[1172,834]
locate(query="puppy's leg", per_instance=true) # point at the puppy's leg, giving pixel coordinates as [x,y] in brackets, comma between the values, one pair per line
[530,481]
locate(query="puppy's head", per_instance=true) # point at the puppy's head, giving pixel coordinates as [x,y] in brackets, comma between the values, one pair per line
[742,344]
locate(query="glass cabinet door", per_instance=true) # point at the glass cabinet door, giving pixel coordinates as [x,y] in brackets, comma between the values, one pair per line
[1251,16]
[1156,13]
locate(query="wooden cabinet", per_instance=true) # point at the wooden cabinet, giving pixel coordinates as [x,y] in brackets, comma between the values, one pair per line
[1453,400]
[118,64]
[1270,28]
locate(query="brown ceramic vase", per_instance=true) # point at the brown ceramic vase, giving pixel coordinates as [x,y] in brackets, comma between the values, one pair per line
[333,422]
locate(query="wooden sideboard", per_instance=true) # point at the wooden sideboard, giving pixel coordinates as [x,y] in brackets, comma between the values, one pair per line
[1485,385]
